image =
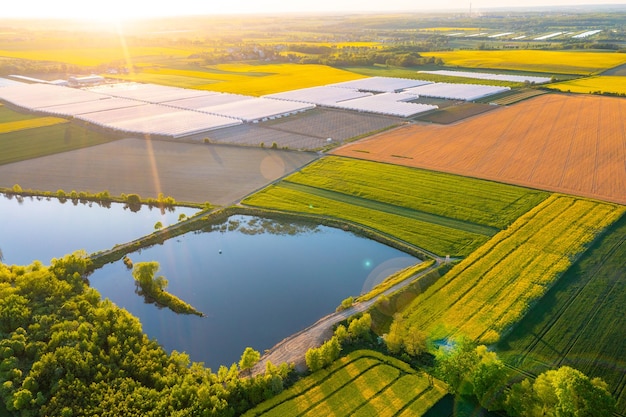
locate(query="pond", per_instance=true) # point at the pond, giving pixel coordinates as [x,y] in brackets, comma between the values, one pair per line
[40,228]
[256,280]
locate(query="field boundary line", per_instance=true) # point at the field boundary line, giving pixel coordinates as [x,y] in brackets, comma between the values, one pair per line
[393,209]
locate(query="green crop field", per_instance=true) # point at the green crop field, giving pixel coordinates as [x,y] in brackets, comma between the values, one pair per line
[8,115]
[32,143]
[363,383]
[442,213]
[580,322]
[491,290]
[554,62]
[602,84]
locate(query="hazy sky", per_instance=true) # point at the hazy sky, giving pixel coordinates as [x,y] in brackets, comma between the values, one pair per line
[147,8]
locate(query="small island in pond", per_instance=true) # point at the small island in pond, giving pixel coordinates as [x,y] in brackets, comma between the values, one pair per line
[153,289]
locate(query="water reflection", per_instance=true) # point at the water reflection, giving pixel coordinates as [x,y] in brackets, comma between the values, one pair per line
[42,228]
[257,280]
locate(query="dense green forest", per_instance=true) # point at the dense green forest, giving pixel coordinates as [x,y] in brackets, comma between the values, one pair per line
[66,352]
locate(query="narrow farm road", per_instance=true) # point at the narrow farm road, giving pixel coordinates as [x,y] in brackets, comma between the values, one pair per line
[293,348]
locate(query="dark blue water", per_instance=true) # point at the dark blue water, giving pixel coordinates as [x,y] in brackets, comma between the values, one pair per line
[255,289]
[42,229]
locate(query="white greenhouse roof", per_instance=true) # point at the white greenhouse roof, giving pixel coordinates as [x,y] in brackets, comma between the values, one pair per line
[392,104]
[106,103]
[467,92]
[491,76]
[39,96]
[158,120]
[258,108]
[380,84]
[149,93]
[5,82]
[587,34]
[202,103]
[322,96]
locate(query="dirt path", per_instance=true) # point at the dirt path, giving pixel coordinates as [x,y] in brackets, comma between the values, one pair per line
[293,348]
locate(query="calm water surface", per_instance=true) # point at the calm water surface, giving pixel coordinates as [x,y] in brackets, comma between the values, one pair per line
[255,286]
[33,229]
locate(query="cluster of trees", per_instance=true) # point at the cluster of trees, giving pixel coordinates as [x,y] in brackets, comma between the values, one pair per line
[358,329]
[393,57]
[404,340]
[152,288]
[65,352]
[475,371]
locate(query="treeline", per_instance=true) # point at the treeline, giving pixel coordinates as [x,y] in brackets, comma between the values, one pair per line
[104,198]
[65,352]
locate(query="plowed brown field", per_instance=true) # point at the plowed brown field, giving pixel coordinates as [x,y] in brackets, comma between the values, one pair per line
[569,144]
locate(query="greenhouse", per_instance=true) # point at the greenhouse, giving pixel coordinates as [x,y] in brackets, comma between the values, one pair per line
[380,84]
[467,92]
[322,96]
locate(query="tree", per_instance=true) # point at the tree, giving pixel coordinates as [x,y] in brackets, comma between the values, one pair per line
[249,358]
[489,379]
[414,341]
[312,359]
[360,327]
[455,364]
[565,392]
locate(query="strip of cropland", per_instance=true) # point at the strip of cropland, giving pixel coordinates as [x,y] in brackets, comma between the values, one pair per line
[255,80]
[442,213]
[556,62]
[487,293]
[34,142]
[572,144]
[187,172]
[363,383]
[580,321]
[602,84]
[29,124]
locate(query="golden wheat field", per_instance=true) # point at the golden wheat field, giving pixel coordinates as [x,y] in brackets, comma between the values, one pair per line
[555,142]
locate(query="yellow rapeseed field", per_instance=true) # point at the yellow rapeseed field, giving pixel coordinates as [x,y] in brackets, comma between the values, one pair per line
[254,80]
[492,289]
[282,77]
[29,124]
[95,56]
[603,84]
[558,62]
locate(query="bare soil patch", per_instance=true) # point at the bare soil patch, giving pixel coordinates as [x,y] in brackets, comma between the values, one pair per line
[337,124]
[187,172]
[571,144]
[455,114]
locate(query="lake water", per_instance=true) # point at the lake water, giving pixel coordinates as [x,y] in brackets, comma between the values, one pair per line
[42,229]
[257,281]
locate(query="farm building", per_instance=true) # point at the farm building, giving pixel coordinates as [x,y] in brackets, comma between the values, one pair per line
[36,97]
[467,92]
[5,82]
[322,96]
[148,93]
[86,80]
[157,120]
[392,104]
[490,76]
[106,103]
[380,84]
